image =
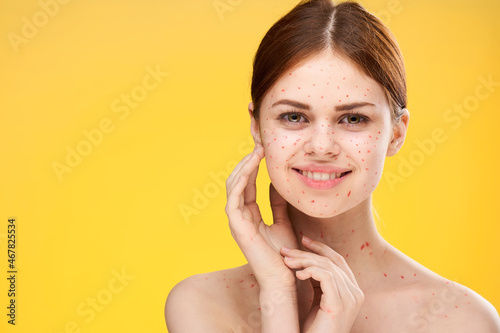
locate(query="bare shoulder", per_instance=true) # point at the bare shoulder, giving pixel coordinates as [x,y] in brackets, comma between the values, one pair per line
[211,302]
[458,308]
[421,300]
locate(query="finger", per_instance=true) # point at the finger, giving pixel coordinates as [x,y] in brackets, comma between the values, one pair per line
[234,198]
[324,250]
[234,174]
[297,259]
[244,167]
[250,193]
[335,289]
[278,207]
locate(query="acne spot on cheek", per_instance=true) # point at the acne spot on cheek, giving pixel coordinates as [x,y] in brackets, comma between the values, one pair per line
[282,90]
[349,194]
[343,78]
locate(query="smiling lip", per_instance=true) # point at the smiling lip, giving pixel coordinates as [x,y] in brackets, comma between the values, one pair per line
[321,176]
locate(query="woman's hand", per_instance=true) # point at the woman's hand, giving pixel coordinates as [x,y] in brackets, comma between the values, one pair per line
[259,242]
[337,296]
[261,245]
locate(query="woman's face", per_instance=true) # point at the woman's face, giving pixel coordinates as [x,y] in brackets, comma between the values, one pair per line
[326,130]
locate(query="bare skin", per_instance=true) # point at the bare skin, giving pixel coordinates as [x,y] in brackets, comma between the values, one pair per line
[342,277]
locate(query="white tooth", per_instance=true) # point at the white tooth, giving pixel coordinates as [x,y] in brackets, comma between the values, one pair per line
[309,174]
[317,175]
[325,176]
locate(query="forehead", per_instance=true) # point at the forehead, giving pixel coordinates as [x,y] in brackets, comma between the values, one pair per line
[329,75]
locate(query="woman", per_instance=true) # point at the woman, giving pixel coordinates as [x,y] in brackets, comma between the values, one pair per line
[328,105]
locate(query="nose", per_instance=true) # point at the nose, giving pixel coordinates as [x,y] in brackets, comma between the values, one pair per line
[321,141]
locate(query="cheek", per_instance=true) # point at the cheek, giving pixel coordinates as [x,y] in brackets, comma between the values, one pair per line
[368,153]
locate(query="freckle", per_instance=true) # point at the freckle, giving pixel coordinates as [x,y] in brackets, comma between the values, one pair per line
[314,84]
[337,195]
[415,274]
[287,180]
[241,281]
[402,277]
[206,278]
[308,95]
[290,73]
[276,167]
[252,285]
[349,164]
[371,253]
[346,95]
[378,132]
[274,139]
[338,87]
[303,192]
[340,100]
[464,294]
[343,78]
[298,201]
[368,151]
[433,294]
[359,151]
[348,194]
[312,201]
[385,275]
[282,147]
[366,317]
[365,94]
[287,191]
[376,172]
[362,160]
[367,89]
[321,96]
[366,169]
[347,255]
[328,83]
[352,230]
[270,156]
[282,89]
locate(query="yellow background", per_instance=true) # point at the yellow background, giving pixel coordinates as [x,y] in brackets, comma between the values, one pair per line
[119,209]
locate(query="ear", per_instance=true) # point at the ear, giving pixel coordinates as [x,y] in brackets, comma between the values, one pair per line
[254,126]
[399,133]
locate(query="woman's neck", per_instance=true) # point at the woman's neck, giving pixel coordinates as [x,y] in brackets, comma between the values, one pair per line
[352,234]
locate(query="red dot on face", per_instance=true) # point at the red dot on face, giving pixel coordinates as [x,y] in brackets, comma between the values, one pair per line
[282,89]
[346,95]
[402,277]
[298,87]
[348,194]
[385,275]
[343,78]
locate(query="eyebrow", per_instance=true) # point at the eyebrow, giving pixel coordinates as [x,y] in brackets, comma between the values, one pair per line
[338,108]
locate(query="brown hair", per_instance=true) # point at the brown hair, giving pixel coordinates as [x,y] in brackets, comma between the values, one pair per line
[347,29]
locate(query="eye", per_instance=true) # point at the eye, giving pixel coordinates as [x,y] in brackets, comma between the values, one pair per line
[292,117]
[354,119]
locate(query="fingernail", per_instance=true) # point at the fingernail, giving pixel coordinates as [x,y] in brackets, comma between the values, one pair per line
[306,239]
[285,249]
[288,258]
